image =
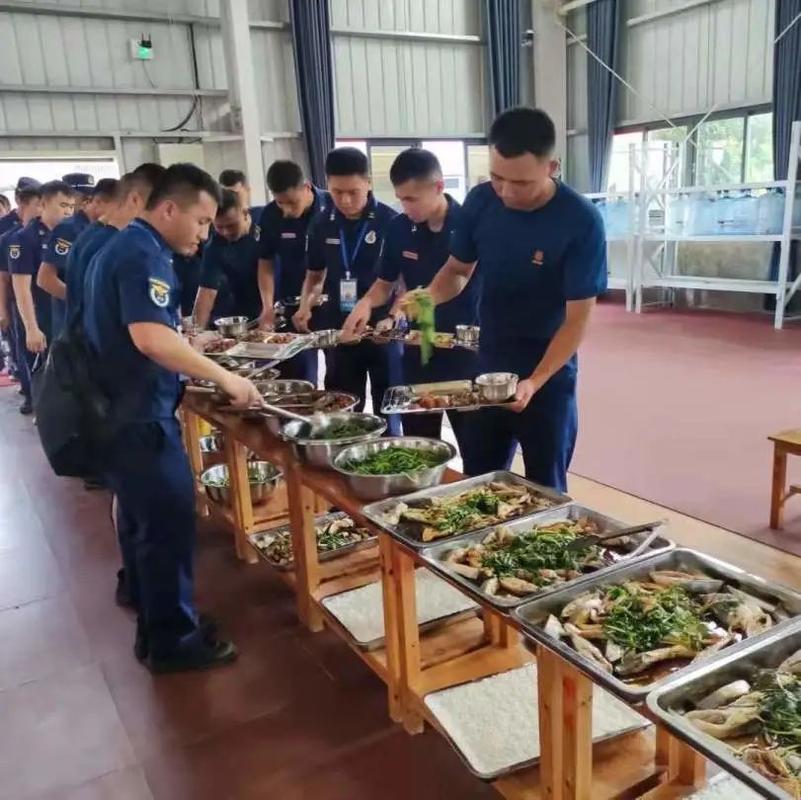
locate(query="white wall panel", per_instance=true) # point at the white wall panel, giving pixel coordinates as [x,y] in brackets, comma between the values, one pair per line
[718,54]
[419,16]
[274,71]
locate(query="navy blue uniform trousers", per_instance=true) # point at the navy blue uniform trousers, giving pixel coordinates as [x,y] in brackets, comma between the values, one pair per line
[546,430]
[348,366]
[148,470]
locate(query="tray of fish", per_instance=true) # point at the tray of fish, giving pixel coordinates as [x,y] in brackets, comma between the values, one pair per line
[743,711]
[452,510]
[638,624]
[277,352]
[524,559]
[423,398]
[337,535]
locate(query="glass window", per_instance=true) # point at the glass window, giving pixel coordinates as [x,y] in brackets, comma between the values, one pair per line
[359,144]
[381,158]
[664,147]
[719,158]
[759,149]
[619,168]
[477,164]
[451,158]
[53,168]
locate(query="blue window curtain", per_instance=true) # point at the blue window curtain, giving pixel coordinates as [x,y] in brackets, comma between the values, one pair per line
[504,39]
[603,34]
[311,35]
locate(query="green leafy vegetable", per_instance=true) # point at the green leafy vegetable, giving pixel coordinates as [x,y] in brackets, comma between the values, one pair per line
[342,429]
[395,461]
[420,308]
[640,621]
[781,710]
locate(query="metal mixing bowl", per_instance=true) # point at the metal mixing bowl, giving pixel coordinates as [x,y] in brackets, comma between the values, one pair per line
[467,334]
[213,443]
[321,453]
[232,326]
[375,487]
[496,387]
[264,477]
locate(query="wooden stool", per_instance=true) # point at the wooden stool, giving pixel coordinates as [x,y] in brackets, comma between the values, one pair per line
[784,444]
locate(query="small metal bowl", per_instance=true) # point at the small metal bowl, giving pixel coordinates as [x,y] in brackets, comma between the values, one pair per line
[321,453]
[232,326]
[327,338]
[375,487]
[264,477]
[213,443]
[467,334]
[284,387]
[495,387]
[294,301]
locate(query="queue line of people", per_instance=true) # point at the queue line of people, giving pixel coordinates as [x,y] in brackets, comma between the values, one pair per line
[524,257]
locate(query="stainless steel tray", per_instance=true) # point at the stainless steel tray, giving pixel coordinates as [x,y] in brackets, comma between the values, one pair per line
[278,352]
[319,521]
[436,555]
[533,614]
[397,400]
[375,511]
[765,651]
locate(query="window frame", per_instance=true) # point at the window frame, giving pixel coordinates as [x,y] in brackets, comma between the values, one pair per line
[691,122]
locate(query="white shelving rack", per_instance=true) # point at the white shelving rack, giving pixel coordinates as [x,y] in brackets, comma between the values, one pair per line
[658,268]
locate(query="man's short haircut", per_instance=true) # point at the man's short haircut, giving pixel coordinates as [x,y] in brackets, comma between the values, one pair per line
[229,199]
[523,130]
[141,180]
[106,188]
[230,177]
[343,161]
[5,203]
[414,164]
[183,183]
[284,175]
[52,188]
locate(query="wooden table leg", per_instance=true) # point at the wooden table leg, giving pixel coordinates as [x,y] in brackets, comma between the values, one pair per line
[687,766]
[498,631]
[662,748]
[391,628]
[304,548]
[777,487]
[408,635]
[242,506]
[190,425]
[577,744]
[549,690]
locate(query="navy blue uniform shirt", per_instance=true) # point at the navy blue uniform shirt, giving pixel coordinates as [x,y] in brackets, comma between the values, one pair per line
[530,262]
[89,242]
[24,248]
[233,268]
[415,253]
[283,241]
[331,233]
[132,280]
[59,243]
[9,221]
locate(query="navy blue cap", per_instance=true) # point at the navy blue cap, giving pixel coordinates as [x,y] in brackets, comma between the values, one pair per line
[81,182]
[25,184]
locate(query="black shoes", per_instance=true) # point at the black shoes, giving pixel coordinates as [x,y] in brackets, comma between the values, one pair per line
[208,654]
[121,594]
[208,631]
[26,408]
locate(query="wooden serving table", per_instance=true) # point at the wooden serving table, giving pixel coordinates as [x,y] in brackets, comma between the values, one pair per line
[414,664]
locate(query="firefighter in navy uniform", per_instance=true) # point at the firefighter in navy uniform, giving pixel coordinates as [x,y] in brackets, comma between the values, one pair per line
[130,317]
[343,250]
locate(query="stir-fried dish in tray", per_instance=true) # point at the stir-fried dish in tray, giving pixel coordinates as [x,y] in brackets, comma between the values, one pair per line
[331,536]
[268,337]
[643,629]
[509,564]
[306,403]
[436,517]
[760,720]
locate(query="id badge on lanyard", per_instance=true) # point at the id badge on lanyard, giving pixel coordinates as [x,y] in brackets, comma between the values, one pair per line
[348,291]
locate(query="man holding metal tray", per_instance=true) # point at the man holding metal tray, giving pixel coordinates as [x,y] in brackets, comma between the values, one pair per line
[417,244]
[539,249]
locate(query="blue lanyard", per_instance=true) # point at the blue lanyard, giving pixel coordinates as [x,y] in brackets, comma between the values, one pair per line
[349,260]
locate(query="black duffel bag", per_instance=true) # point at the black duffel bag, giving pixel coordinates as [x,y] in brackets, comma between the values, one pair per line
[73,414]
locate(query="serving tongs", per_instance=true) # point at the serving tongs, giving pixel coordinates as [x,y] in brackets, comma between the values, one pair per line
[583,542]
